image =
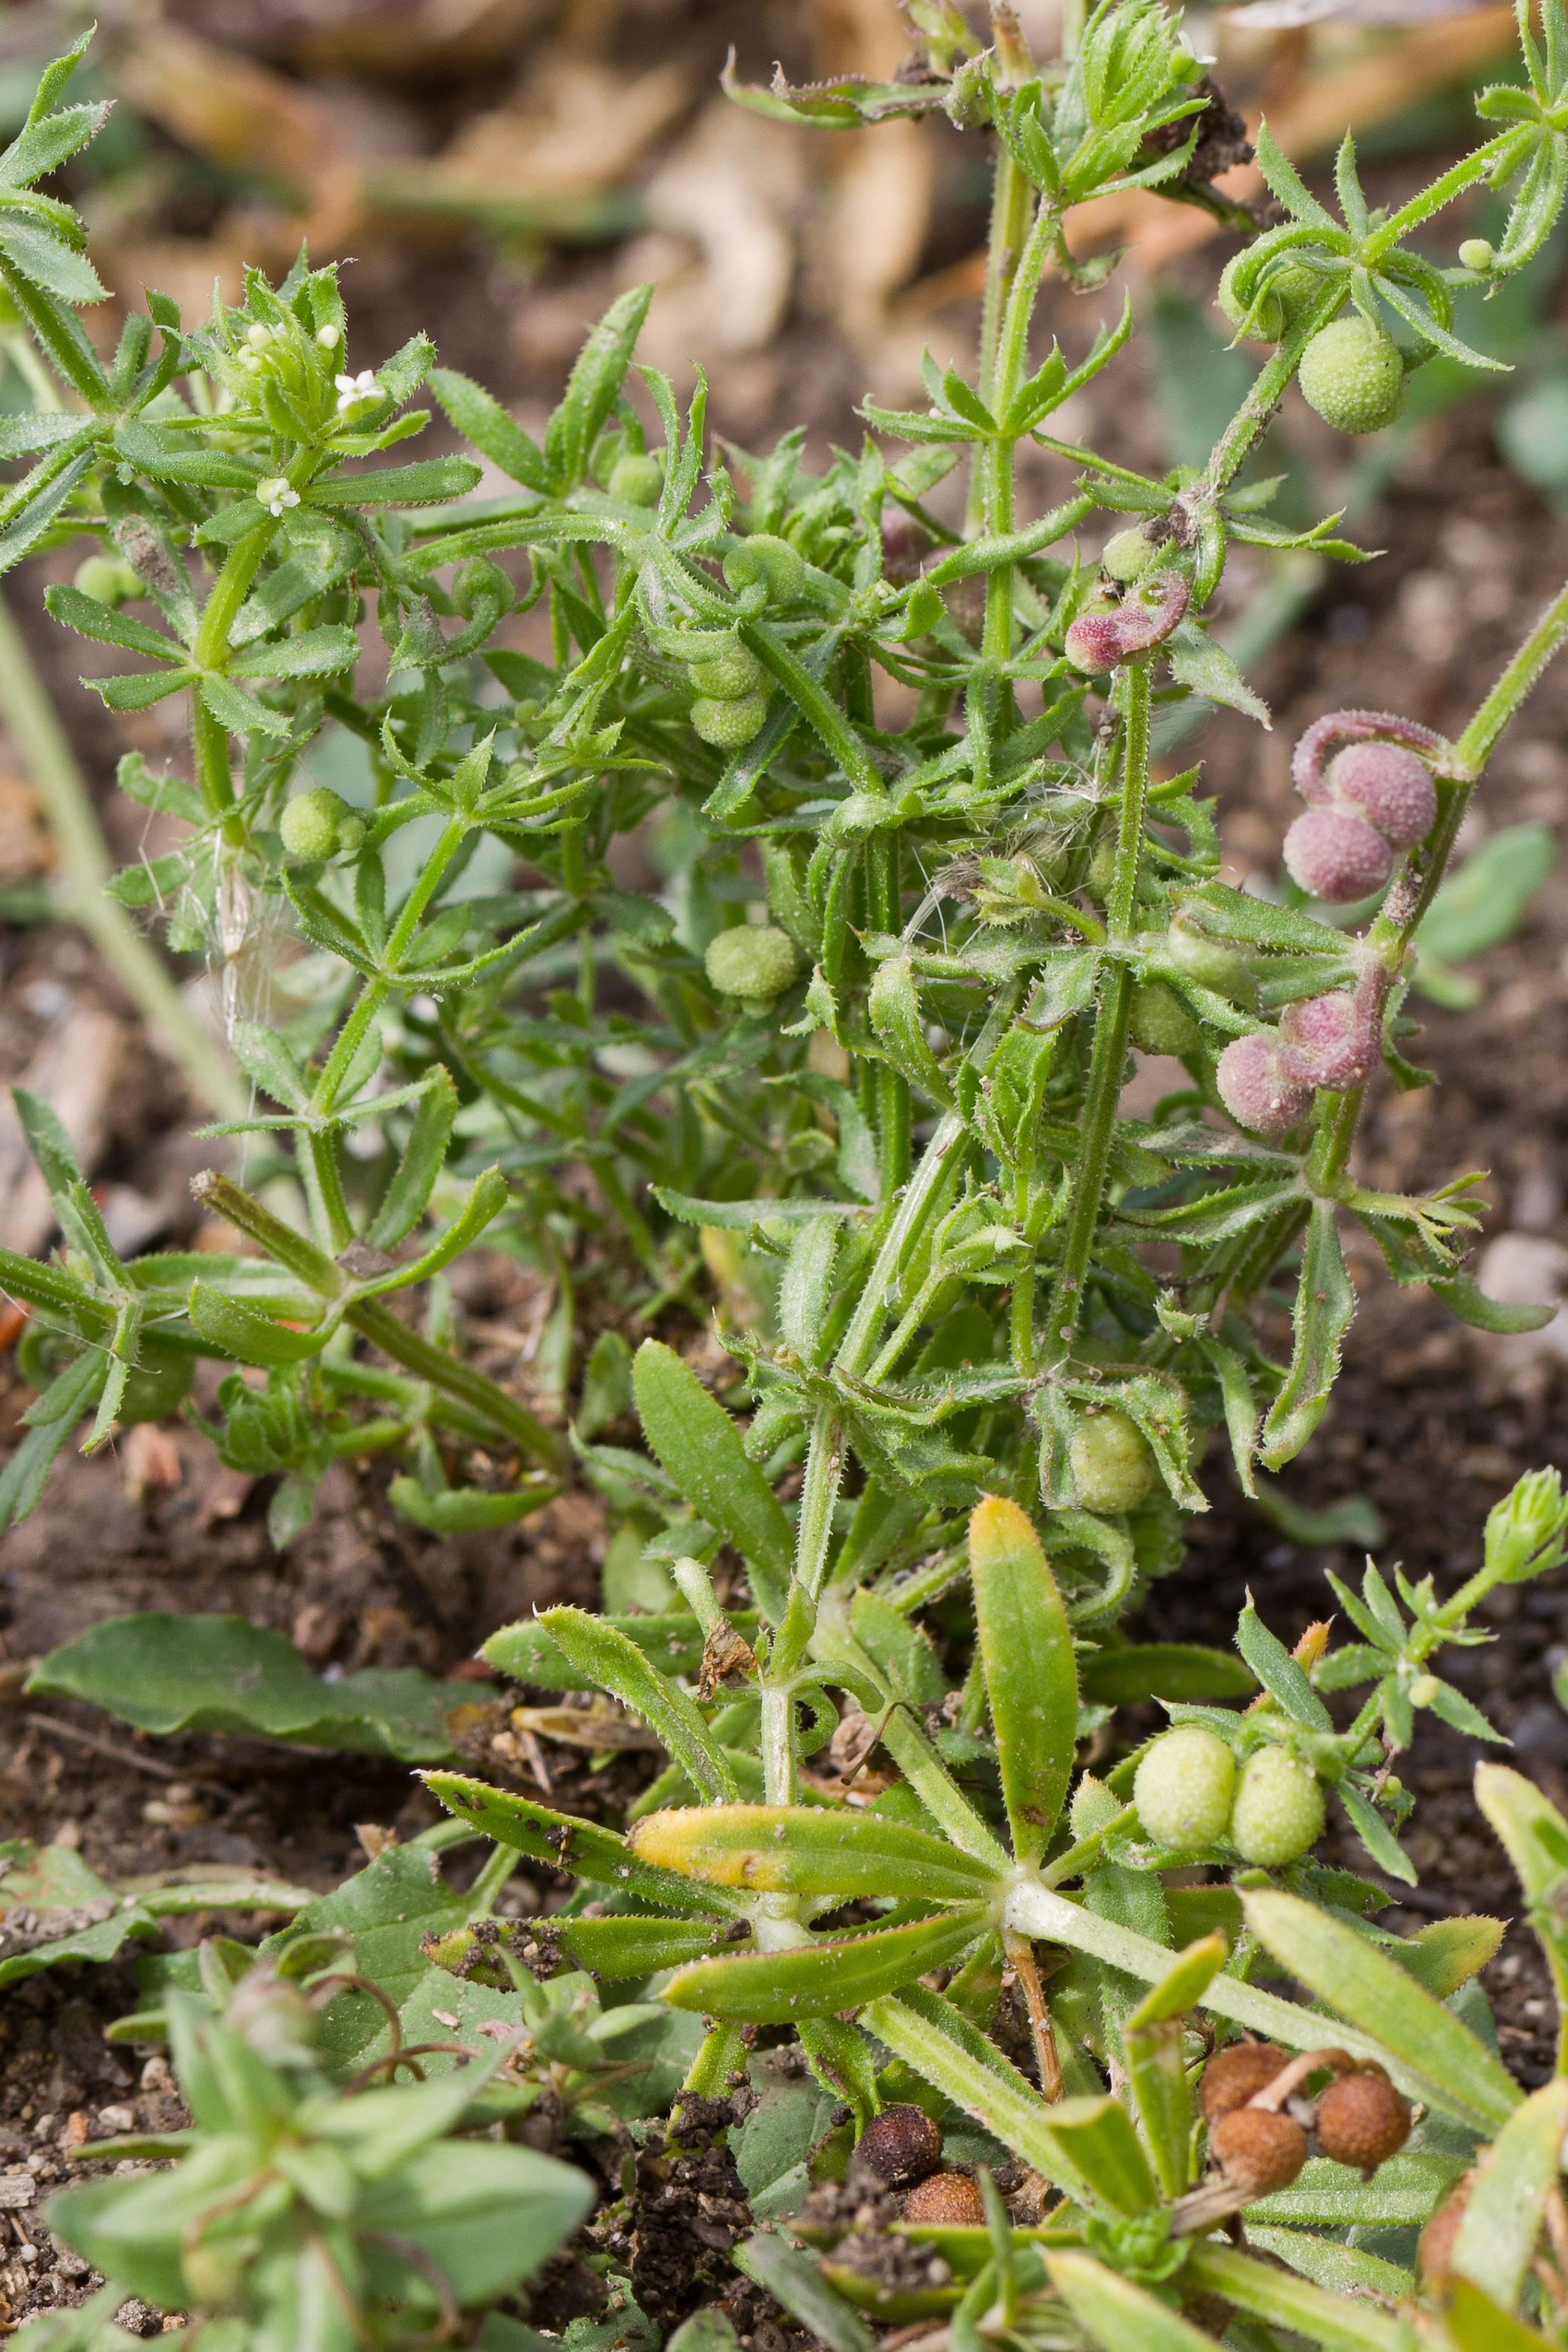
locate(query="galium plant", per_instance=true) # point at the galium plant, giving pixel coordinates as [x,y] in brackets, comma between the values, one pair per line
[869,1093]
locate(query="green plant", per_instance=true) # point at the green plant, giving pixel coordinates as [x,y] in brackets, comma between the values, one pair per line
[890,1113]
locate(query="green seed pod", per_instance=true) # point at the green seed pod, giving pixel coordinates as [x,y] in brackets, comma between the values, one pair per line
[1212,965]
[728,724]
[1476,254]
[1112,1468]
[1278,1811]
[1351,373]
[1285,297]
[1184,1788]
[108,580]
[1126,555]
[734,676]
[771,561]
[1160,1021]
[754,962]
[318,824]
[636,479]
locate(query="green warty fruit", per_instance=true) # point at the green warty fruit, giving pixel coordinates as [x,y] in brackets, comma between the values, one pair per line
[1351,373]
[1184,1789]
[1112,1468]
[1278,1811]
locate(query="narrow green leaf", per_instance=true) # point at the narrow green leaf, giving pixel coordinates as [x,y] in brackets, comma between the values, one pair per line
[236,1328]
[700,1447]
[463,1510]
[1173,1670]
[616,1664]
[792,2279]
[1277,1671]
[1119,2315]
[1325,1308]
[567,1844]
[1476,2324]
[1357,1980]
[1341,2323]
[482,420]
[829,1976]
[422,484]
[617,1949]
[1536,1838]
[1025,1647]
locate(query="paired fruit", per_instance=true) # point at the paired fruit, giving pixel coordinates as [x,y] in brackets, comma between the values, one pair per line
[1257,1089]
[945,2200]
[1258,2152]
[1183,1791]
[636,479]
[1363,2119]
[1278,1811]
[773,561]
[1333,853]
[1282,301]
[1352,375]
[1160,1023]
[318,824]
[900,2144]
[1237,2074]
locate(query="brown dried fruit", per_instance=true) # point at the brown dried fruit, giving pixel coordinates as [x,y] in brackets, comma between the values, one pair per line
[1236,2075]
[900,2144]
[1363,2120]
[1434,2248]
[946,2201]
[1256,2151]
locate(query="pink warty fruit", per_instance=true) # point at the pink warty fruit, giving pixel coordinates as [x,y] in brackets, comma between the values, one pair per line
[1335,728]
[1257,1090]
[1337,856]
[1386,786]
[1328,1041]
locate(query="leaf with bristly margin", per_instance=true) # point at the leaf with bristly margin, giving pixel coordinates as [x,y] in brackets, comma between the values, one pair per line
[1535,1836]
[568,1843]
[792,2279]
[700,1447]
[1380,1844]
[481,419]
[1173,1670]
[1198,662]
[1448,1953]
[672,1642]
[740,1216]
[47,261]
[1463,1297]
[236,1329]
[1278,1672]
[318,653]
[824,1977]
[1339,2322]
[89,618]
[616,1665]
[592,389]
[1324,1311]
[1331,2264]
[1326,2196]
[1031,1682]
[1358,1981]
[422,484]
[235,710]
[166,1673]
[617,1949]
[1508,2196]
[805,1850]
[466,1510]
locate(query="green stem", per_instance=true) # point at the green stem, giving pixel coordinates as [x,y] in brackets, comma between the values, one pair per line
[1476,743]
[1011,198]
[1097,1125]
[824,1475]
[1256,413]
[84,868]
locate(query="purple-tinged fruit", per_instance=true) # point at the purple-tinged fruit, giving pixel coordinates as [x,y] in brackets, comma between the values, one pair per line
[1099,641]
[1257,1090]
[1336,856]
[1386,786]
[1328,1041]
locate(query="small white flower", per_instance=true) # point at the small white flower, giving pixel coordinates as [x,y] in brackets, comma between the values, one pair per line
[355,391]
[276,493]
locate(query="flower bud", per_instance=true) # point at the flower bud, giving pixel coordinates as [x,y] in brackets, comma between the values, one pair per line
[1337,856]
[318,824]
[771,561]
[329,337]
[753,961]
[728,724]
[1126,555]
[1184,1788]
[1237,2074]
[1160,1023]
[1476,254]
[1328,1041]
[946,2201]
[636,479]
[1389,787]
[1352,375]
[1363,2120]
[1112,1468]
[900,2146]
[1257,1089]
[1278,1811]
[1259,2153]
[733,676]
